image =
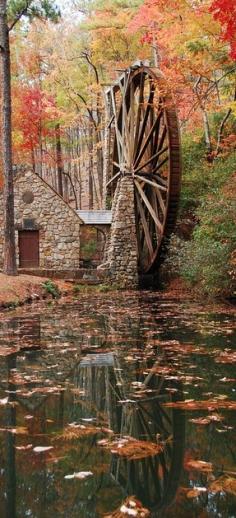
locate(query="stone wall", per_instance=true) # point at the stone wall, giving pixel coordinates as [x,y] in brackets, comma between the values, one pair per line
[121,259]
[58,224]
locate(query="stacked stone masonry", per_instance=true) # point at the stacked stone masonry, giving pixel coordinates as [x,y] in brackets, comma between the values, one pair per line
[57,223]
[121,253]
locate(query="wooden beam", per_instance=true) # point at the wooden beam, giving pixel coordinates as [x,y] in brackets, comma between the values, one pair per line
[148,205]
[144,224]
[146,180]
[159,153]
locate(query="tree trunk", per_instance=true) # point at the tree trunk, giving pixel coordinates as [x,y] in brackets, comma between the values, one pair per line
[59,159]
[90,166]
[9,266]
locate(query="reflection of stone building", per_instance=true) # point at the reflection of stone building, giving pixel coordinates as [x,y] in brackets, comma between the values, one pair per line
[47,228]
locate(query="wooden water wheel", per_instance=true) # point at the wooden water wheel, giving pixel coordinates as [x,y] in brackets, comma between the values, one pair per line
[147,147]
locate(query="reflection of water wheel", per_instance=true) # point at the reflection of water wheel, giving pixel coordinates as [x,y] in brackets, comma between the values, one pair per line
[146,146]
[154,479]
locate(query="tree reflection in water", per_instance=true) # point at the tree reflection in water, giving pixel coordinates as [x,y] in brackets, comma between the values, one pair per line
[112,366]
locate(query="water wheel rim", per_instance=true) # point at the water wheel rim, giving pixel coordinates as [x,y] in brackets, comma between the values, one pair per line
[164,225]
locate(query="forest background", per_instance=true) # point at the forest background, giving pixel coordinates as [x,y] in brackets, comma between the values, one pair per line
[59,72]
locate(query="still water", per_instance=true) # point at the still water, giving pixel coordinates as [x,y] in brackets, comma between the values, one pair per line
[109,399]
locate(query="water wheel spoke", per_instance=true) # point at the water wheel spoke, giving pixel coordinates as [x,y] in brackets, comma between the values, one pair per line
[145,119]
[156,135]
[113,178]
[132,120]
[156,155]
[140,107]
[145,225]
[163,136]
[151,182]
[147,140]
[157,195]
[148,205]
[161,164]
[117,131]
[158,179]
[126,135]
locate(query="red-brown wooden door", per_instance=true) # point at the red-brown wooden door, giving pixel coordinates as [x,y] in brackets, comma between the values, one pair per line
[28,248]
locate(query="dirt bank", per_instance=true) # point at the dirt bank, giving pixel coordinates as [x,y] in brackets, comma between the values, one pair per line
[20,289]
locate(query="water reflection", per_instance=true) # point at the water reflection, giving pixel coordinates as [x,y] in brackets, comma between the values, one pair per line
[84,373]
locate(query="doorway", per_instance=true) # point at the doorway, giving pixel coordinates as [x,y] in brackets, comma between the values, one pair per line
[28,248]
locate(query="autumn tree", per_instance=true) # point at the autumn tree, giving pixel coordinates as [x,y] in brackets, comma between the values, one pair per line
[195,60]
[11,13]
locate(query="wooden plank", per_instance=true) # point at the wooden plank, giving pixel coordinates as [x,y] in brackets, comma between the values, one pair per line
[118,135]
[142,132]
[144,224]
[148,205]
[159,153]
[113,178]
[147,140]
[161,164]
[140,106]
[155,185]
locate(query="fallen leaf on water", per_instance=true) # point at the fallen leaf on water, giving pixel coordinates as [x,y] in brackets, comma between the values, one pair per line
[224,483]
[207,420]
[228,380]
[209,404]
[198,465]
[24,448]
[200,420]
[4,401]
[19,430]
[80,475]
[226,357]
[130,507]
[75,431]
[131,448]
[41,449]
[196,491]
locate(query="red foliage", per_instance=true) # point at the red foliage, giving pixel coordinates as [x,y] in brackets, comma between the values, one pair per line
[225,12]
[35,116]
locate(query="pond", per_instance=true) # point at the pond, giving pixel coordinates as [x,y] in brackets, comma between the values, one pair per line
[117,405]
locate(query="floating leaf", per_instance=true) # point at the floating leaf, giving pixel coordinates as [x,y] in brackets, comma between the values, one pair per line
[81,475]
[19,430]
[132,448]
[224,483]
[41,449]
[4,401]
[210,404]
[198,465]
[24,448]
[130,507]
[75,431]
[195,492]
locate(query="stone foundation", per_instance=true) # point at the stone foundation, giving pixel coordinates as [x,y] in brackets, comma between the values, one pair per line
[121,259]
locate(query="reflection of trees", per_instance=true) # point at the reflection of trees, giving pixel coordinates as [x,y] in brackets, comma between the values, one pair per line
[10,447]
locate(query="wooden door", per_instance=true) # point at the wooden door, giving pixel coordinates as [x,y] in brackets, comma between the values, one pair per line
[28,248]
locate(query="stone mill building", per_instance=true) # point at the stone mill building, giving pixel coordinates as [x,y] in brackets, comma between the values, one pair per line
[47,228]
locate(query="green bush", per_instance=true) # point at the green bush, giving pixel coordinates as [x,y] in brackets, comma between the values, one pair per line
[209,194]
[51,288]
[88,249]
[201,178]
[207,260]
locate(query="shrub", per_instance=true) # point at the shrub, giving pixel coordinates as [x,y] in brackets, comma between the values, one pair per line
[51,288]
